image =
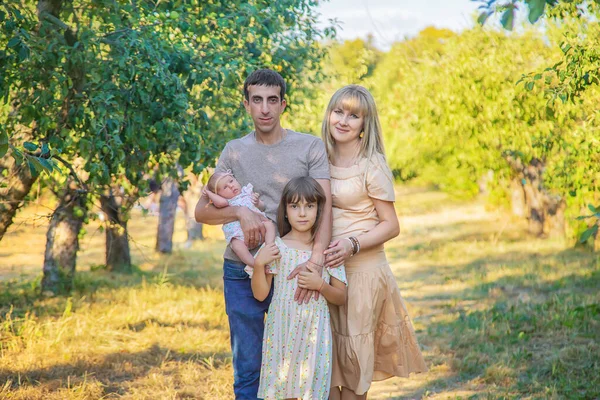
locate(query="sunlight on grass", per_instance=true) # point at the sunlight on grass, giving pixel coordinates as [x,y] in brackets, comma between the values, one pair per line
[497,313]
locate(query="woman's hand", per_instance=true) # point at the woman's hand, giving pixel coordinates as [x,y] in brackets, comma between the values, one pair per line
[337,253]
[310,279]
[267,255]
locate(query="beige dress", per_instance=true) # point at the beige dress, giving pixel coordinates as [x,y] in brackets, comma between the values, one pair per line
[373,338]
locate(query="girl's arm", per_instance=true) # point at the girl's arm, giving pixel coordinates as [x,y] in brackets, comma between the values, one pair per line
[261,281]
[388,228]
[334,292]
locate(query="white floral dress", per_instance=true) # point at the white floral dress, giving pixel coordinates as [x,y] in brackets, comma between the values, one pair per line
[296,353]
[234,229]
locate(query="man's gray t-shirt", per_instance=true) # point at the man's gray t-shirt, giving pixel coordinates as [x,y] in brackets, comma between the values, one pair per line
[270,167]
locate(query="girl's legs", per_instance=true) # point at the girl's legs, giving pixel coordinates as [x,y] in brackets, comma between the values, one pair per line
[348,394]
[240,249]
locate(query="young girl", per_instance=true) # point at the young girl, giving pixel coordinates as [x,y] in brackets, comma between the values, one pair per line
[224,190]
[296,354]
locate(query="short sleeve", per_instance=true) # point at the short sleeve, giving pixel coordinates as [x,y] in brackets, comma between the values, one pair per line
[338,273]
[248,189]
[272,268]
[224,162]
[318,164]
[380,181]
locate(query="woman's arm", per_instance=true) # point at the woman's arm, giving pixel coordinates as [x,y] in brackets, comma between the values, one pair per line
[387,228]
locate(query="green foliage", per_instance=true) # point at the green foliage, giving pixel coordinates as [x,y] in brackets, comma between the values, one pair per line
[118,89]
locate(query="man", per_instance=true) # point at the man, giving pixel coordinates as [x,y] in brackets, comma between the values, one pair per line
[268,158]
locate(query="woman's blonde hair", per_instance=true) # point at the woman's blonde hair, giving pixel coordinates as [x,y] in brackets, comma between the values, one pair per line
[356,99]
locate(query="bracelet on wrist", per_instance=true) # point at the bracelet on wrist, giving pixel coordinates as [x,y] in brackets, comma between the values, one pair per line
[355,245]
[314,263]
[322,284]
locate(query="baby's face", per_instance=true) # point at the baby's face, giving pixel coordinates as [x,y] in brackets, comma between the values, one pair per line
[229,187]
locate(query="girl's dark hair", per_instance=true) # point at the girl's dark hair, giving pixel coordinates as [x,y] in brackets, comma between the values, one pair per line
[306,188]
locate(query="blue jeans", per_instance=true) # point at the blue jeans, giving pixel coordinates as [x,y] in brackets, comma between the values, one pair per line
[246,327]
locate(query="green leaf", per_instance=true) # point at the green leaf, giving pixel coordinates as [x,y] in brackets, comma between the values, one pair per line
[14,41]
[588,233]
[593,209]
[47,165]
[536,9]
[508,19]
[483,17]
[30,146]
[3,143]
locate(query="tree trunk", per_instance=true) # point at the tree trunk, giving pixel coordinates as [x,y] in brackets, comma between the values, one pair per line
[190,198]
[62,242]
[16,184]
[118,257]
[517,198]
[555,208]
[544,211]
[166,215]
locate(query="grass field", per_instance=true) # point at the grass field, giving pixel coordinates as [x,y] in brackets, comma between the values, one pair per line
[499,315]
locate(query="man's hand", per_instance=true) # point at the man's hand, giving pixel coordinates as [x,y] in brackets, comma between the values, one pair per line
[252,226]
[304,295]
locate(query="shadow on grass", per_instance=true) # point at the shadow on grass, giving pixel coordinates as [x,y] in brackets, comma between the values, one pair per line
[142,325]
[111,369]
[545,344]
[185,268]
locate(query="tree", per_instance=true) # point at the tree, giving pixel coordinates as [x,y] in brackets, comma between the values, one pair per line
[573,76]
[127,87]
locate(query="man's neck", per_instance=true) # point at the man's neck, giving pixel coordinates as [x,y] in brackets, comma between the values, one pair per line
[276,136]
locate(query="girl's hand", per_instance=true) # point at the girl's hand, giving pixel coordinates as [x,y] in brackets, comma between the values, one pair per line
[310,279]
[267,255]
[255,198]
[337,253]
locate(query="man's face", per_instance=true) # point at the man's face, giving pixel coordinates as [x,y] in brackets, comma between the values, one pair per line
[265,107]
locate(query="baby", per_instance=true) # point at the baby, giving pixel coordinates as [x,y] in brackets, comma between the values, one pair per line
[224,190]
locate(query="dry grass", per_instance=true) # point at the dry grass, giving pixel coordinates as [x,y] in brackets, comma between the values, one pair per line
[499,315]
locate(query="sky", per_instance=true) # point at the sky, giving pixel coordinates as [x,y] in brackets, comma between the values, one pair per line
[393,20]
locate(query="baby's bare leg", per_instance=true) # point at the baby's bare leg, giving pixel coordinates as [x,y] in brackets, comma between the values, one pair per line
[270,232]
[240,249]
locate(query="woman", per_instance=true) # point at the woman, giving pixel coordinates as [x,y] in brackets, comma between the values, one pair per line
[373,338]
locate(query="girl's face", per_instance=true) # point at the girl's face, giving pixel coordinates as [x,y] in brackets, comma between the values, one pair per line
[301,215]
[229,187]
[345,125]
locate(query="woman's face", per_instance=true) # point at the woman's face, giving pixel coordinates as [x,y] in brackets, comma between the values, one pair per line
[345,125]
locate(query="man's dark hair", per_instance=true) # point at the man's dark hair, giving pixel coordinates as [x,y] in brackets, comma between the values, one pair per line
[265,77]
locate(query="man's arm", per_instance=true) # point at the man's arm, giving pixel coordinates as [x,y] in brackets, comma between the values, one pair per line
[251,222]
[320,244]
[323,236]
